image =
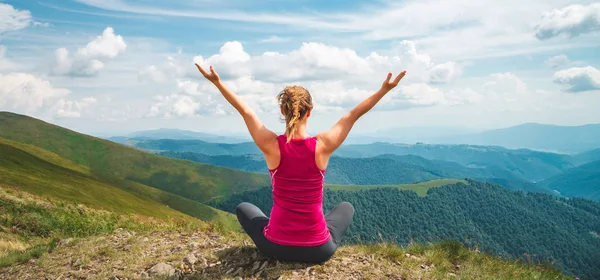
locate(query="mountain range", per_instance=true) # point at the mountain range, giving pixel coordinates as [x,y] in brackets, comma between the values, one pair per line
[533,136]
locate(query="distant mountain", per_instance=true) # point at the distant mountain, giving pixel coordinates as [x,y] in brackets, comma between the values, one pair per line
[379,170]
[198,146]
[552,138]
[178,134]
[585,157]
[581,181]
[526,164]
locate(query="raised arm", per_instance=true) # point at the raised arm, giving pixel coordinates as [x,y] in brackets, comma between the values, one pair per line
[265,139]
[331,139]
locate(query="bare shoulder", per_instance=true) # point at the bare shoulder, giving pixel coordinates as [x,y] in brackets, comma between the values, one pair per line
[322,154]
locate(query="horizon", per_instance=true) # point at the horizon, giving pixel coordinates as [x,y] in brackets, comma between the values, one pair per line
[95,67]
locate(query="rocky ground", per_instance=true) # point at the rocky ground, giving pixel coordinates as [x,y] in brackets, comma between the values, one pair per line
[197,255]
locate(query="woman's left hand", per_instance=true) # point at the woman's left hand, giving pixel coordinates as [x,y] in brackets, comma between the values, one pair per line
[212,76]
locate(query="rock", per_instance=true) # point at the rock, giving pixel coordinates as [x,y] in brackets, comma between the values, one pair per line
[307,270]
[193,245]
[238,270]
[254,255]
[229,271]
[162,269]
[65,242]
[256,266]
[144,275]
[190,259]
[264,265]
[145,239]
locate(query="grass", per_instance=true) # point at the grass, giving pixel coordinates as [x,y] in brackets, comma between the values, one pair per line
[451,260]
[103,158]
[32,225]
[43,173]
[420,188]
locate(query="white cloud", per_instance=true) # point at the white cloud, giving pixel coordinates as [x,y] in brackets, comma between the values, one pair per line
[25,93]
[557,61]
[338,78]
[12,19]
[445,72]
[190,99]
[572,20]
[89,60]
[578,79]
[73,108]
[274,39]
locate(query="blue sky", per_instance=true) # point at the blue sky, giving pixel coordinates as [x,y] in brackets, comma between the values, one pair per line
[114,66]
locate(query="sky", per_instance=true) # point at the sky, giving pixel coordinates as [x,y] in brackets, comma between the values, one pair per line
[109,67]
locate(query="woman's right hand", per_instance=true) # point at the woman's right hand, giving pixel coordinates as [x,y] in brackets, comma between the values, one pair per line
[388,84]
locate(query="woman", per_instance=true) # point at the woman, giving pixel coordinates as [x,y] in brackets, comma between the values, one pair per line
[297,229]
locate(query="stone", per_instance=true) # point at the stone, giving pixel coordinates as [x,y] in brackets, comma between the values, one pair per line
[190,259]
[144,275]
[162,269]
[65,242]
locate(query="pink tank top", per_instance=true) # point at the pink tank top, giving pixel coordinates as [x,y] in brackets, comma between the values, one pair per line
[297,215]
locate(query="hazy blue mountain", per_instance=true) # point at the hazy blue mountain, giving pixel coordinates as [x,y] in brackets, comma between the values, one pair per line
[581,181]
[199,146]
[522,164]
[379,170]
[553,138]
[178,134]
[528,164]
[585,157]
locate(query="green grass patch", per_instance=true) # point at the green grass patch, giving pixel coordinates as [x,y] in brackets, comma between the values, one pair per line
[420,188]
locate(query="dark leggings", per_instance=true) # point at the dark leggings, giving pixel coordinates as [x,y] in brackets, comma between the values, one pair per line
[253,220]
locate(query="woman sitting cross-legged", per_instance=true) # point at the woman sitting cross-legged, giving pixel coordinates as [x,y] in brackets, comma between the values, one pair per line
[297,229]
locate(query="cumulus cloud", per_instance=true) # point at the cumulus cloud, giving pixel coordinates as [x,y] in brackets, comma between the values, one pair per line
[578,79]
[190,99]
[337,77]
[89,60]
[572,20]
[26,94]
[73,108]
[12,19]
[557,61]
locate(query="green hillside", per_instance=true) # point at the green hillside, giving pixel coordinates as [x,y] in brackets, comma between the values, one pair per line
[511,224]
[419,188]
[122,165]
[46,174]
[581,181]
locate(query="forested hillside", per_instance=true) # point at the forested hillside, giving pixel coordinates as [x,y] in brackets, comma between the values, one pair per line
[484,215]
[581,181]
